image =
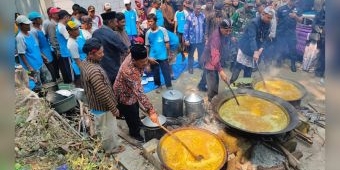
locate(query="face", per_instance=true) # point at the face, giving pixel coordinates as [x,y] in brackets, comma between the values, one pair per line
[113,23]
[225,31]
[197,9]
[38,21]
[86,26]
[74,33]
[128,6]
[138,4]
[25,27]
[151,23]
[91,13]
[156,5]
[235,2]
[142,63]
[121,24]
[266,18]
[55,16]
[98,55]
[291,2]
[180,7]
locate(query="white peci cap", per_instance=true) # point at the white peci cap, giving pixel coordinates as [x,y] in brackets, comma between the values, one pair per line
[127,1]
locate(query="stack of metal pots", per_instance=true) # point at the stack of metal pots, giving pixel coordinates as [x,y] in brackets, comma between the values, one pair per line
[172,104]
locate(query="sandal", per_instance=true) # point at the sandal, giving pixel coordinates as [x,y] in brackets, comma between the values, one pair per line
[118,149]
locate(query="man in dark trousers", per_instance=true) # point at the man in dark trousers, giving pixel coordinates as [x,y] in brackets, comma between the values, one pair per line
[114,47]
[251,44]
[129,90]
[219,44]
[287,17]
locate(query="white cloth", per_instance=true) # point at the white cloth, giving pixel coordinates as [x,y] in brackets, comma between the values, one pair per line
[20,43]
[95,22]
[87,34]
[73,47]
[106,126]
[62,29]
[244,59]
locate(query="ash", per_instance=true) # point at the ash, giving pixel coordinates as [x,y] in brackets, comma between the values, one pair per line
[265,157]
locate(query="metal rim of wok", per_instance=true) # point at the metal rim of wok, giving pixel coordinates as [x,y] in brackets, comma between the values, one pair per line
[300,87]
[159,147]
[221,98]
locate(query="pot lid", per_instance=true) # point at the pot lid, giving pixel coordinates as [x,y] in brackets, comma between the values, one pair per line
[147,122]
[172,95]
[193,97]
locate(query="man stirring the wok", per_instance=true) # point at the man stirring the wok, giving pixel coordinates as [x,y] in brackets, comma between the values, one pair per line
[129,90]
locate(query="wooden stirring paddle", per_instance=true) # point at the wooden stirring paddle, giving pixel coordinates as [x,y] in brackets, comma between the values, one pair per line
[197,157]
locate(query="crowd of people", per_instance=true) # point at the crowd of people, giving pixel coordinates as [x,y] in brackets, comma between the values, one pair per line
[107,54]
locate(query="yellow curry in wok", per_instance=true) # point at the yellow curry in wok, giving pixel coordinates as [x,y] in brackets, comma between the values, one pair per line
[280,88]
[254,114]
[176,157]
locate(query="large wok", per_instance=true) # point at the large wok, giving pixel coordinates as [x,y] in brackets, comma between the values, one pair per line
[301,88]
[221,98]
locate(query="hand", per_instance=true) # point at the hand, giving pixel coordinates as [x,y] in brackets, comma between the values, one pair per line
[30,69]
[233,39]
[148,69]
[186,43]
[292,15]
[57,55]
[115,112]
[153,116]
[152,61]
[223,76]
[45,59]
[256,56]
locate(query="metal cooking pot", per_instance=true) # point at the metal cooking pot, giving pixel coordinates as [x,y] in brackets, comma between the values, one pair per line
[172,103]
[221,98]
[152,130]
[80,94]
[160,145]
[61,103]
[194,105]
[147,122]
[302,89]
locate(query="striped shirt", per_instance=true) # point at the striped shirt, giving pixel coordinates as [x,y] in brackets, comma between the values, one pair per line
[97,87]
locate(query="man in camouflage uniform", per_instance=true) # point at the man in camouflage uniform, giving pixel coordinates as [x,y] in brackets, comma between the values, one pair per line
[240,19]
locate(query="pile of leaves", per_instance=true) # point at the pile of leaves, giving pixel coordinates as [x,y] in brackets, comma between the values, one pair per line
[44,141]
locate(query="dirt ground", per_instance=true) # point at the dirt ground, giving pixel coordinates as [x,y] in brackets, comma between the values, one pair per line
[313,156]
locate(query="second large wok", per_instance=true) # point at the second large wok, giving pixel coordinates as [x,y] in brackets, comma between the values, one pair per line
[291,112]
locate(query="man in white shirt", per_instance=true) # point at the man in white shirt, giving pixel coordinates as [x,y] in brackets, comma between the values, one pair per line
[97,21]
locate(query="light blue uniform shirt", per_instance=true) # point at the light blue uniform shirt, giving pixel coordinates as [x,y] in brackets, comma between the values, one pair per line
[44,45]
[130,21]
[180,18]
[28,45]
[64,52]
[156,40]
[82,56]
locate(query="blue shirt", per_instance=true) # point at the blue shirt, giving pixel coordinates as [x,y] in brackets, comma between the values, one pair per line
[180,18]
[130,21]
[173,40]
[194,28]
[28,46]
[44,45]
[82,56]
[156,40]
[64,52]
[159,16]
